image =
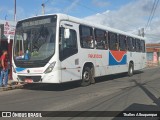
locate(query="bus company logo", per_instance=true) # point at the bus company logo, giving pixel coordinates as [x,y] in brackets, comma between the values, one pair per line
[94,56]
[117,57]
[28,71]
[6,114]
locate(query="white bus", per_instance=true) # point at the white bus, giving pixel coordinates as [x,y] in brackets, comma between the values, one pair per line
[60,48]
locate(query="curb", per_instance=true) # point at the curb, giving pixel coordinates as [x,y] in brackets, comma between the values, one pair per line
[153,67]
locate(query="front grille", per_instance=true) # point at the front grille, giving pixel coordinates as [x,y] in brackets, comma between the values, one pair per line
[34,78]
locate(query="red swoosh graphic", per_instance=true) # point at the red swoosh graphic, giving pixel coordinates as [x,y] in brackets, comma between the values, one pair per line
[118,55]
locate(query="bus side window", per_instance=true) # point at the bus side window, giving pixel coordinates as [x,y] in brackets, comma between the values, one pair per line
[106,41]
[101,39]
[134,44]
[142,46]
[129,44]
[138,45]
[117,43]
[68,46]
[86,37]
[122,43]
[113,41]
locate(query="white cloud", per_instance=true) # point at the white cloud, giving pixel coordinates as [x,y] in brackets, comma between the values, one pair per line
[99,3]
[130,17]
[51,7]
[71,7]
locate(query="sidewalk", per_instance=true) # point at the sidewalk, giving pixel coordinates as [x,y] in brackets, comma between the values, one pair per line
[12,85]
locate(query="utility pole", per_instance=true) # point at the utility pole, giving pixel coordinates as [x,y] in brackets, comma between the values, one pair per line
[6,17]
[142,32]
[15,10]
[139,32]
[43,8]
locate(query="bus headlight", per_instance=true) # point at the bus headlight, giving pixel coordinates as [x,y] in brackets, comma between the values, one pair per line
[50,67]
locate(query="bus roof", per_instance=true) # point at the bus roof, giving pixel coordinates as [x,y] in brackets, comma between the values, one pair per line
[84,22]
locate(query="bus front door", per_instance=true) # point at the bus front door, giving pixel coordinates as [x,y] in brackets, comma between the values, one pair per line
[68,49]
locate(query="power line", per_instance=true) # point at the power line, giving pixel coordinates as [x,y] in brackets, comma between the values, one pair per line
[154,35]
[46,2]
[103,14]
[82,5]
[154,11]
[155,4]
[150,13]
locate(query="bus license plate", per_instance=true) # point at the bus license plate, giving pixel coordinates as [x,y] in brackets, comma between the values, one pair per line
[28,80]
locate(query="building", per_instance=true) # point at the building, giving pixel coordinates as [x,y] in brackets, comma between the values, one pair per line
[153,53]
[7,32]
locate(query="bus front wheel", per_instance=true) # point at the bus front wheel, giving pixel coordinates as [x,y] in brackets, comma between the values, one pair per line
[86,77]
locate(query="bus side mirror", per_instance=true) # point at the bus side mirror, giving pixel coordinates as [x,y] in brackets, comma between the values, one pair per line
[25,36]
[66,33]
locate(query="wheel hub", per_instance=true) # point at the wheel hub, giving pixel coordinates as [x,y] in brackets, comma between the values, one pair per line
[86,76]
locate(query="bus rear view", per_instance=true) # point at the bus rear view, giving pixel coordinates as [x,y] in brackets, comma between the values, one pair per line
[34,50]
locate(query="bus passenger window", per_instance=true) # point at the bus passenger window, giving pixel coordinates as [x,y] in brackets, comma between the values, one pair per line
[134,44]
[129,44]
[117,45]
[142,46]
[88,42]
[113,42]
[86,37]
[122,43]
[138,45]
[101,39]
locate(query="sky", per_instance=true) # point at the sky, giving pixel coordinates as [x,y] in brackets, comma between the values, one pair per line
[126,15]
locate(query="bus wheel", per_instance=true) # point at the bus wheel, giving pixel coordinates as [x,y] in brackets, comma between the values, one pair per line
[130,70]
[92,76]
[86,77]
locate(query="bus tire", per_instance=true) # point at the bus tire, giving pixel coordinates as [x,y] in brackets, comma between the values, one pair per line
[86,77]
[92,76]
[130,70]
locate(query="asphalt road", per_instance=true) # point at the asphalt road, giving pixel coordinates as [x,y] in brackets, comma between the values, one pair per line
[140,92]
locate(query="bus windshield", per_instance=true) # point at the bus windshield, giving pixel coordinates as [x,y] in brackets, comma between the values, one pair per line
[35,40]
